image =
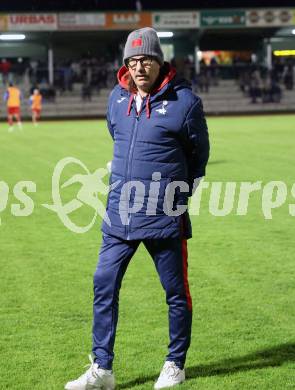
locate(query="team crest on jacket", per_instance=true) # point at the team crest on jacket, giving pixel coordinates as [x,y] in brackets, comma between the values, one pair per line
[121,99]
[162,110]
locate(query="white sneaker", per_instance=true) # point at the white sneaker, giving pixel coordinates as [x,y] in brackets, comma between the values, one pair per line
[170,376]
[10,129]
[94,378]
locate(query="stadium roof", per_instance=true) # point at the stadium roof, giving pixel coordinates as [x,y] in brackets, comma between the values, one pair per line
[104,5]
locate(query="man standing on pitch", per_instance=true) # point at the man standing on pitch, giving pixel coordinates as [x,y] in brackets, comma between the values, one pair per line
[12,97]
[36,106]
[160,139]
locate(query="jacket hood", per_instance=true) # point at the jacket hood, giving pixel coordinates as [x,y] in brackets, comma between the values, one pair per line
[167,73]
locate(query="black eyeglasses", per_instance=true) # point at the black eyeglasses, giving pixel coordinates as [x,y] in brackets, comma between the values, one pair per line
[146,62]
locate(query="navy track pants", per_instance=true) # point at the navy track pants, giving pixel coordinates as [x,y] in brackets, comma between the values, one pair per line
[170,258]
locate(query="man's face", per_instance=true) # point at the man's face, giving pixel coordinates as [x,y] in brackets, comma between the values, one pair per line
[144,71]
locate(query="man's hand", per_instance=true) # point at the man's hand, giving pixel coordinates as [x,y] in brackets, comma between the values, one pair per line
[196,184]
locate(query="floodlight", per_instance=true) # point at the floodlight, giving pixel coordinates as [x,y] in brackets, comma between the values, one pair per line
[284,53]
[165,34]
[12,37]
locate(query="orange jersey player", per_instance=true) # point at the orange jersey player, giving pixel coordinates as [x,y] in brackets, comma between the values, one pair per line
[36,106]
[12,97]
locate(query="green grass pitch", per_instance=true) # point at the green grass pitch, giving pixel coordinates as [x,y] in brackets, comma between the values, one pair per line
[241,268]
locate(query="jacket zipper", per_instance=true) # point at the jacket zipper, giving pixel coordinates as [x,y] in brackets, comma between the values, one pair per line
[130,155]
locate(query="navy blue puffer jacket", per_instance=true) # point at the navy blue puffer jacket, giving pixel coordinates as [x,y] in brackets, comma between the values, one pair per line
[166,142]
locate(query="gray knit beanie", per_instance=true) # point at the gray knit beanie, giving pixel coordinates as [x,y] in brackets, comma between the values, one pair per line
[144,41]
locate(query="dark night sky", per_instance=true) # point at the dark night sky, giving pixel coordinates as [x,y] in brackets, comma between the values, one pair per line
[103,5]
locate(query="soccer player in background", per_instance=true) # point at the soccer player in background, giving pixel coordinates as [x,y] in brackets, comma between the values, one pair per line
[12,97]
[36,106]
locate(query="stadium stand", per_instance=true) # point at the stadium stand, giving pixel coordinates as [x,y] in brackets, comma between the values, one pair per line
[224,98]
